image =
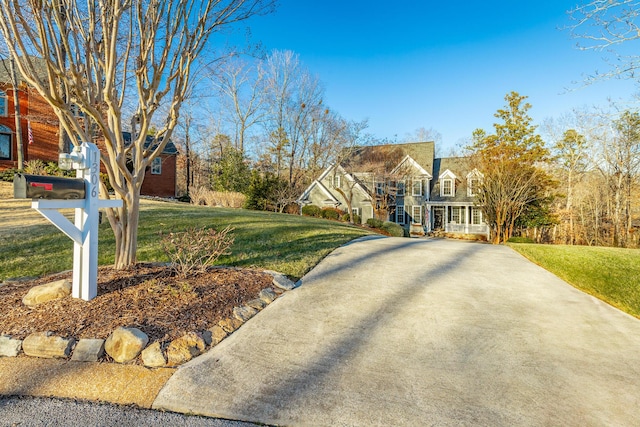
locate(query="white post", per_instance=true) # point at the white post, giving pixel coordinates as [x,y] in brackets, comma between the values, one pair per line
[86,160]
[85,255]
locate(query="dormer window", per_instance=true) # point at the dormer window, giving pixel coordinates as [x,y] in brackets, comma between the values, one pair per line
[447,184]
[447,187]
[473,182]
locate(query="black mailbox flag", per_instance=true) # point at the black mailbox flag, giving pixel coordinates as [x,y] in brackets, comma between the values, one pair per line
[47,187]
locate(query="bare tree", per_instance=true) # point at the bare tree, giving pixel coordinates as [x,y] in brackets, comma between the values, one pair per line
[140,51]
[241,87]
[606,25]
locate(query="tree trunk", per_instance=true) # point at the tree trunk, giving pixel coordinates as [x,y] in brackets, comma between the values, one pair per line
[127,233]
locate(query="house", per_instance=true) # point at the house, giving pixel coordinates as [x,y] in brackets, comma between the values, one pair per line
[405,184]
[40,134]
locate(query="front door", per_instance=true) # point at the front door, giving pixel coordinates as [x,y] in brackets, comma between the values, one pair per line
[438,217]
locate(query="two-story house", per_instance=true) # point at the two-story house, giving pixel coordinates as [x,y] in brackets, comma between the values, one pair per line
[405,184]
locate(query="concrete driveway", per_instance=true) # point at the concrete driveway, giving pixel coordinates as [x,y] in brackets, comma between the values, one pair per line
[389,331]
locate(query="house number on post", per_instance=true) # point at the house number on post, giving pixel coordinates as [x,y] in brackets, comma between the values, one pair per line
[84,233]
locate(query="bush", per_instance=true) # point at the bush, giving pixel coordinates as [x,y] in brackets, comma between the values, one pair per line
[226,199]
[520,240]
[374,223]
[393,229]
[356,218]
[311,210]
[7,175]
[195,250]
[331,213]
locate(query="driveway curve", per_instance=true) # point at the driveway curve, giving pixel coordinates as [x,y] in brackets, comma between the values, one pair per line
[389,331]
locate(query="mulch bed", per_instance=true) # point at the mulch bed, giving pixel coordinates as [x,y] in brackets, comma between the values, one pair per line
[148,297]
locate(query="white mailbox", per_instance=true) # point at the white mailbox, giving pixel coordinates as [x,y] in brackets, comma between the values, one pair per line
[84,233]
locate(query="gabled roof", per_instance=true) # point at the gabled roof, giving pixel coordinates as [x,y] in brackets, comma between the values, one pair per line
[408,161]
[448,174]
[389,156]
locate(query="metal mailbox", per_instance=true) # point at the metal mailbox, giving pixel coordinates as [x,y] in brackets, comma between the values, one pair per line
[47,187]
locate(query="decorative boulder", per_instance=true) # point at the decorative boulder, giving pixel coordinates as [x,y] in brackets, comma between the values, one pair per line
[230,324]
[185,348]
[125,344]
[244,313]
[47,292]
[43,344]
[268,295]
[9,347]
[88,350]
[153,356]
[217,334]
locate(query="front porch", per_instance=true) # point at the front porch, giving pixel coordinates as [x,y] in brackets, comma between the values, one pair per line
[456,219]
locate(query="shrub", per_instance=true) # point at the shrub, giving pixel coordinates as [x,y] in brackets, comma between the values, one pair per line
[35,167]
[311,210]
[393,229]
[7,174]
[195,250]
[356,218]
[374,223]
[331,213]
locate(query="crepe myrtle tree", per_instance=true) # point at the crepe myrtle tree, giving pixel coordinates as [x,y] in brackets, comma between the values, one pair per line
[115,59]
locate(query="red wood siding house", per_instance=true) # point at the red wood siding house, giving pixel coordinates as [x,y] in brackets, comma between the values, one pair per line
[35,112]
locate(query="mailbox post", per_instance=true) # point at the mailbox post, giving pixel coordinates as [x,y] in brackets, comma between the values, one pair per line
[84,233]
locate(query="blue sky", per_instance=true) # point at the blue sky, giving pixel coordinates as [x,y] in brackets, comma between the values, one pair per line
[441,65]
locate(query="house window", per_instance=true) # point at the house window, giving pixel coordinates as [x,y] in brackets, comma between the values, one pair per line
[455,215]
[476,216]
[400,214]
[334,181]
[447,187]
[400,188]
[3,104]
[5,143]
[379,188]
[416,188]
[156,166]
[416,214]
[473,186]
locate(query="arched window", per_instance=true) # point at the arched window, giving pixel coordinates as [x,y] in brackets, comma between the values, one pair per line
[3,104]
[5,143]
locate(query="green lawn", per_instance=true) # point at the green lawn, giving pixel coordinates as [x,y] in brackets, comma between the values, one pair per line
[611,274]
[289,244]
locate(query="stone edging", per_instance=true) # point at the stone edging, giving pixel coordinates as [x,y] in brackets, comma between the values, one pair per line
[127,344]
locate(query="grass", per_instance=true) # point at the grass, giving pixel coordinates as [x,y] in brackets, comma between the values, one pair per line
[289,244]
[610,274]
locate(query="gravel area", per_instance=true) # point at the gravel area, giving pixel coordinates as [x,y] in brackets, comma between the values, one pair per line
[37,412]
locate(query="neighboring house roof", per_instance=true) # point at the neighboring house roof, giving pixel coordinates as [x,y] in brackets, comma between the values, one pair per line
[5,70]
[169,149]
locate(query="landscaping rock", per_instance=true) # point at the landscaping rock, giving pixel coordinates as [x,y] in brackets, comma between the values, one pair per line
[257,303]
[43,344]
[268,295]
[125,344]
[184,349]
[230,324]
[217,334]
[283,282]
[9,347]
[244,313]
[153,356]
[88,350]
[47,292]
